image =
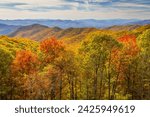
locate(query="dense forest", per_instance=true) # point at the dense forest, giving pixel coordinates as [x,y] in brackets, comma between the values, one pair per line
[95,65]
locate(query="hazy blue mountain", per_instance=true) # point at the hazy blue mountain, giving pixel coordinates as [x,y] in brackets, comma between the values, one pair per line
[70,23]
[7,29]
[9,26]
[143,22]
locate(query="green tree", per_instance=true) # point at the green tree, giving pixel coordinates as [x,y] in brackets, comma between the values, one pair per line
[5,81]
[97,52]
[144,65]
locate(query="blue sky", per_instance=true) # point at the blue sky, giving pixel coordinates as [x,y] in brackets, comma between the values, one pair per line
[74,9]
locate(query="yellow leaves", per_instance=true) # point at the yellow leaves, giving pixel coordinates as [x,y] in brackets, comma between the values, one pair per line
[16,44]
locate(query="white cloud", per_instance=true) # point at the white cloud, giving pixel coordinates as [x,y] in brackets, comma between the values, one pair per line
[98,1]
[77,11]
[37,2]
[133,5]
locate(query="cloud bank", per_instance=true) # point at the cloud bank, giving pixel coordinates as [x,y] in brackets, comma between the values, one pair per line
[74,9]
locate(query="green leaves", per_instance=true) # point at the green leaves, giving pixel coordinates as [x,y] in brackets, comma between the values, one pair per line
[144,41]
[5,60]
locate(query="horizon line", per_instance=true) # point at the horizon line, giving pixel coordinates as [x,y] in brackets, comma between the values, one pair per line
[75,19]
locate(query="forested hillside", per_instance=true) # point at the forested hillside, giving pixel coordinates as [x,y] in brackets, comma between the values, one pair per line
[76,63]
[40,32]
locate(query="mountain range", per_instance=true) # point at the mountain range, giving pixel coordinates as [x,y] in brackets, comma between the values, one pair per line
[39,32]
[70,23]
[77,29]
[6,29]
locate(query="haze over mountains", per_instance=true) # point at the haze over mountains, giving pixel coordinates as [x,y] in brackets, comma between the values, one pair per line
[6,29]
[70,23]
[39,32]
[41,29]
[75,23]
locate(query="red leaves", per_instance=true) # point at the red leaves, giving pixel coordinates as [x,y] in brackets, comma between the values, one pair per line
[122,57]
[127,39]
[25,62]
[51,45]
[52,48]
[130,45]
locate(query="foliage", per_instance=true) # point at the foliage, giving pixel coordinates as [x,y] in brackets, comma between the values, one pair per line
[85,64]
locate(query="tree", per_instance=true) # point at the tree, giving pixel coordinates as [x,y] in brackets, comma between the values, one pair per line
[62,65]
[52,48]
[5,81]
[25,62]
[98,51]
[125,58]
[24,65]
[144,65]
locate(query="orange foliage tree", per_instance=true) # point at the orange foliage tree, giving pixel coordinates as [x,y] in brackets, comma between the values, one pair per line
[125,54]
[52,48]
[25,62]
[24,68]
[130,45]
[123,59]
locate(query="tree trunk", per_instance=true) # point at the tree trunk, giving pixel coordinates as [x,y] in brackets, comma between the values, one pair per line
[101,83]
[95,83]
[109,77]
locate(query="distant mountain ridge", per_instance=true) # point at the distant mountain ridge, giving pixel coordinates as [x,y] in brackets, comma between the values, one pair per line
[75,28]
[71,23]
[143,22]
[39,32]
[123,27]
[6,29]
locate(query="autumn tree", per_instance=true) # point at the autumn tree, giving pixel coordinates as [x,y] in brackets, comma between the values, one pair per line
[25,62]
[5,81]
[125,57]
[52,48]
[24,65]
[98,51]
[143,74]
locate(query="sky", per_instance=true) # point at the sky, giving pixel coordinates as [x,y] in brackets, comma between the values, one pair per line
[75,9]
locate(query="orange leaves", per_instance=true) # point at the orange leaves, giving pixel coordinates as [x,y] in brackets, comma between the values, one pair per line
[130,45]
[25,62]
[52,48]
[129,41]
[123,57]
